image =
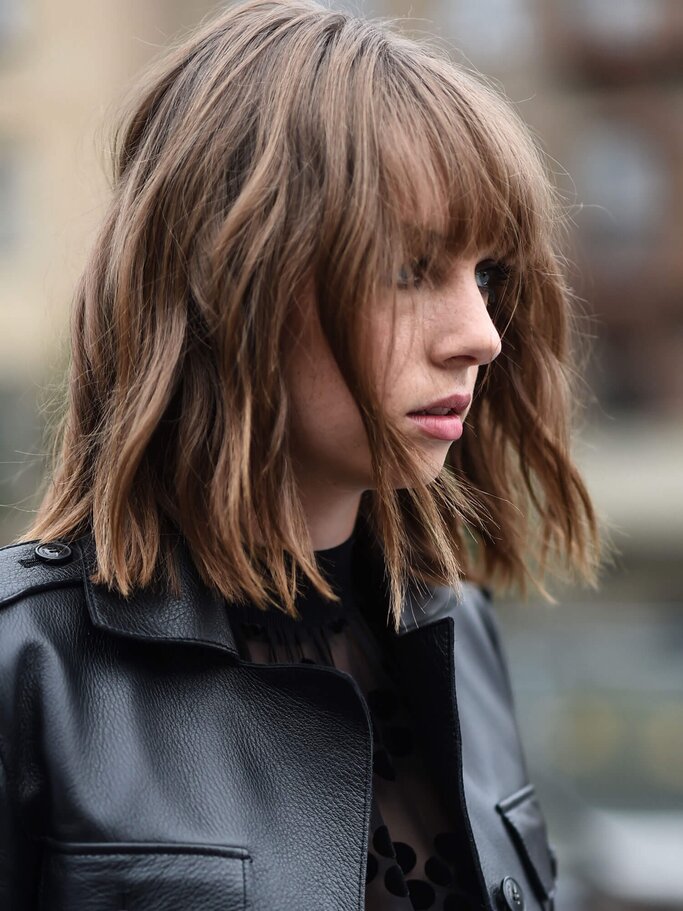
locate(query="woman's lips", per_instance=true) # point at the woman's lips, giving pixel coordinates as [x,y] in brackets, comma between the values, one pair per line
[440,426]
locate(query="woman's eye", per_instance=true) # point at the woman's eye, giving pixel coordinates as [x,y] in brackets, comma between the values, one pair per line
[490,276]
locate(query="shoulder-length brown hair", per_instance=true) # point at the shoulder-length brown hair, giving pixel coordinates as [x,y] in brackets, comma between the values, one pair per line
[284,142]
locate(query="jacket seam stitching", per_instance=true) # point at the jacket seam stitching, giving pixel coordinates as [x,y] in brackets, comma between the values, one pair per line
[180,849]
[366,806]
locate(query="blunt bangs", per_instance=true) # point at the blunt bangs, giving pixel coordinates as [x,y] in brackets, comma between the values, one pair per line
[458,173]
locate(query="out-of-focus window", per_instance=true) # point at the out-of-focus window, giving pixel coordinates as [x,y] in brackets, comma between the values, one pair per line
[622,171]
[13,18]
[495,33]
[618,41]
[629,24]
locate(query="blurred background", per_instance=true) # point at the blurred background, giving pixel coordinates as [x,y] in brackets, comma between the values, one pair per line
[598,678]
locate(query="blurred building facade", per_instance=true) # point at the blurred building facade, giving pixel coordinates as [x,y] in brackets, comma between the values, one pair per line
[61,65]
[63,69]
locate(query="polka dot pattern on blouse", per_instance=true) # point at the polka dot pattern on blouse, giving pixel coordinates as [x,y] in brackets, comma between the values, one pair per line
[413,856]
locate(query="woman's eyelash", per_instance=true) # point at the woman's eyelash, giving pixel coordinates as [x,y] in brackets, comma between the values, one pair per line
[498,275]
[419,269]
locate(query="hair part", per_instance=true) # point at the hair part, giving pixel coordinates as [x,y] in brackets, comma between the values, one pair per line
[284,143]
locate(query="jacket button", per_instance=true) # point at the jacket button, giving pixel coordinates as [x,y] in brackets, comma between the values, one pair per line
[512,895]
[53,553]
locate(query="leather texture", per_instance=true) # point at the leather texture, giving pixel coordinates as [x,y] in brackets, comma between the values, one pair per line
[144,765]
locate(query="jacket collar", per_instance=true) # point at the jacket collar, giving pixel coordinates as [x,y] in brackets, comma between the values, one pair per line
[197,614]
[200,615]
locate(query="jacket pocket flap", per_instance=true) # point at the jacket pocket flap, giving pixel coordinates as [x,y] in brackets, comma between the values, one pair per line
[524,820]
[143,877]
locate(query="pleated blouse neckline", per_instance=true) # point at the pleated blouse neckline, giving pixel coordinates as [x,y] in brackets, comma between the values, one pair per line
[317,615]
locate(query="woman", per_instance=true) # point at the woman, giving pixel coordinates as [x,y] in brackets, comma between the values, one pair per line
[248,658]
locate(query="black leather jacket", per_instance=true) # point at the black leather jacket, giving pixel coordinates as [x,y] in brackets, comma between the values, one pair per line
[145,767]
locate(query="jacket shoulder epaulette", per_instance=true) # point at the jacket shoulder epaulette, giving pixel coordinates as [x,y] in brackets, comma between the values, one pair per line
[32,566]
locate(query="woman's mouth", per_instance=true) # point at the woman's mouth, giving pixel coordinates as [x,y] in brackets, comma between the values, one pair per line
[440,426]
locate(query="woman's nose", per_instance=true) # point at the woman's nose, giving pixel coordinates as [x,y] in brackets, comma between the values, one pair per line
[470,330]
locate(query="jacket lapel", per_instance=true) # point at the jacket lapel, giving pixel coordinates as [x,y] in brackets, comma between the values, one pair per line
[424,656]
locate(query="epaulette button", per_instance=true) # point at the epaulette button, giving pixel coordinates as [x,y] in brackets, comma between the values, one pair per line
[53,553]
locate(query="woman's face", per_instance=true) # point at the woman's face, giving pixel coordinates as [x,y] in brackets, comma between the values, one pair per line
[441,338]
